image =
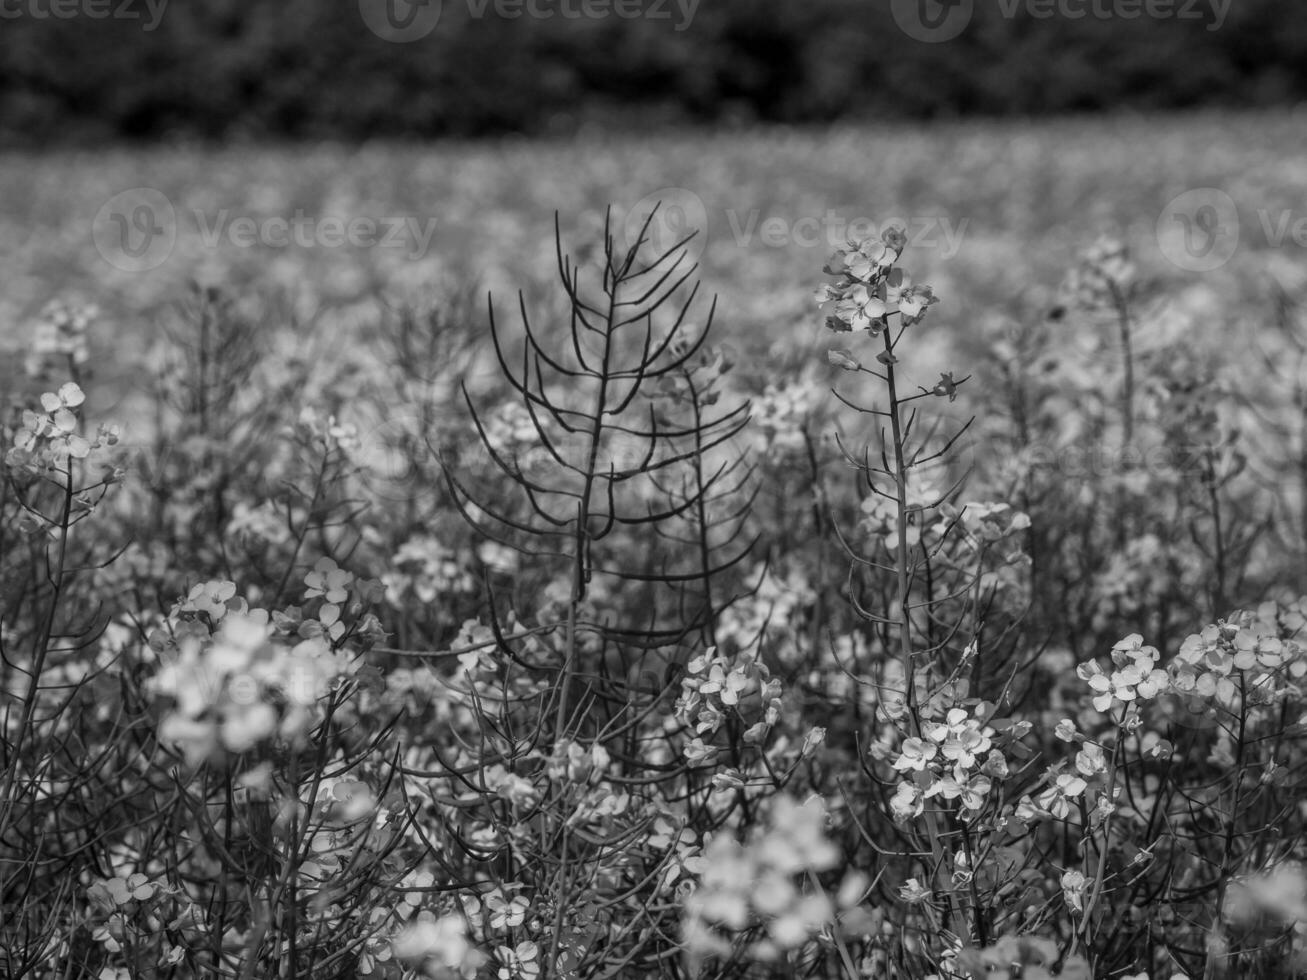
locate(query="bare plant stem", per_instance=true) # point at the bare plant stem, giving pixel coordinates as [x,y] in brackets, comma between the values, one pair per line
[40,651]
[1127,355]
[904,589]
[1087,922]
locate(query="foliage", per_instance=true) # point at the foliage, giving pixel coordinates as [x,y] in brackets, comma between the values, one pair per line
[629,662]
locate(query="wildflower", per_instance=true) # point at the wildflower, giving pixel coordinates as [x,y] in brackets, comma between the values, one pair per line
[970,790]
[907,802]
[1026,811]
[1090,760]
[811,742]
[442,942]
[961,737]
[1138,676]
[509,785]
[963,746]
[913,303]
[840,358]
[947,386]
[51,438]
[698,754]
[729,779]
[796,839]
[520,963]
[506,913]
[801,921]
[861,310]
[915,755]
[913,891]
[58,404]
[995,765]
[60,335]
[862,260]
[773,893]
[1156,747]
[1057,798]
[1073,890]
[726,686]
[328,581]
[213,598]
[119,891]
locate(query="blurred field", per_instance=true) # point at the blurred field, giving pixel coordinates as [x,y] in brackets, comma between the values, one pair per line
[1023,196]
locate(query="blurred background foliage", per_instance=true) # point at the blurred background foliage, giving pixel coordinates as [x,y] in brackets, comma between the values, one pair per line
[308,69]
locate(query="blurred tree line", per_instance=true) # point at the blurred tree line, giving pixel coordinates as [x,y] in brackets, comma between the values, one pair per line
[223,69]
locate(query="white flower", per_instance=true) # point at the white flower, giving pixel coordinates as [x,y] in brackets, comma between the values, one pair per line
[907,802]
[506,913]
[1057,798]
[1090,760]
[914,891]
[1073,890]
[915,755]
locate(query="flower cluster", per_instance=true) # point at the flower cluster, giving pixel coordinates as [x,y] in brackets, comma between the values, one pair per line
[426,569]
[782,414]
[438,946]
[1027,957]
[239,688]
[48,439]
[1105,272]
[1136,678]
[954,759]
[717,687]
[1254,659]
[758,883]
[327,431]
[869,289]
[60,338]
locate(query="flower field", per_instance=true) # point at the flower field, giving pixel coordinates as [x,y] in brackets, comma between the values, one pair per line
[855,553]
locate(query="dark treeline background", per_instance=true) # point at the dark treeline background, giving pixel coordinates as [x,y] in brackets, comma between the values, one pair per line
[251,69]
